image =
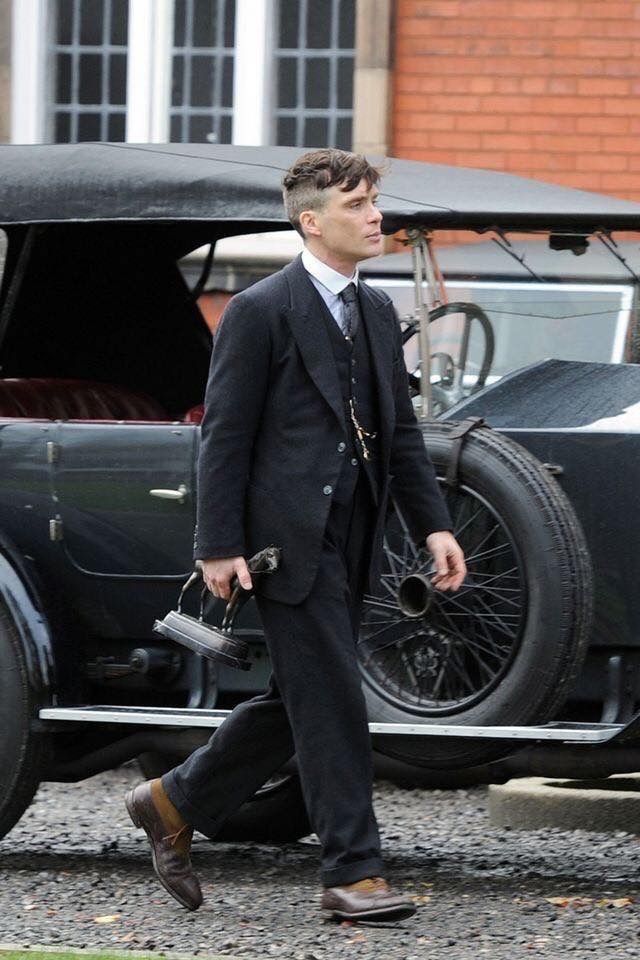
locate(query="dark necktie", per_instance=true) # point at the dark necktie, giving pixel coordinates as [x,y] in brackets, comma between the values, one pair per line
[351,310]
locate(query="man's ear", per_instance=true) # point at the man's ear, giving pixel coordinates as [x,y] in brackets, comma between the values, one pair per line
[309,223]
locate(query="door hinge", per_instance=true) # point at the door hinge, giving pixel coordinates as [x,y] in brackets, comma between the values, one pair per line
[56,531]
[53,451]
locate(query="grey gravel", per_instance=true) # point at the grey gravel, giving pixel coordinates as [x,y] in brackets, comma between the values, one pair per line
[75,859]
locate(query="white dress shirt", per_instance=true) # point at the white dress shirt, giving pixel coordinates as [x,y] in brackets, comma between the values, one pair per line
[329,284]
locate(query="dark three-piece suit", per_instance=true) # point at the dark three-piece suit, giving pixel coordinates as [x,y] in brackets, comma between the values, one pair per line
[280,463]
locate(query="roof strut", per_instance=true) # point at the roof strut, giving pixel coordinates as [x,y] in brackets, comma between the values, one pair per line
[16,280]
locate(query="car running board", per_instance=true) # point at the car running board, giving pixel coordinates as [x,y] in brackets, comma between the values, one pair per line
[564,732]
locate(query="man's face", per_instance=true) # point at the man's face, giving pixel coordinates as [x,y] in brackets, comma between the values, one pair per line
[348,226]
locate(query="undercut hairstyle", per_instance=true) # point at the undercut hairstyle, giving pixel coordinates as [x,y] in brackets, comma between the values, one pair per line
[305,183]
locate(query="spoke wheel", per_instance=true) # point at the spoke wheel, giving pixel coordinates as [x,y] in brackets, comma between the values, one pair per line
[458,651]
[504,649]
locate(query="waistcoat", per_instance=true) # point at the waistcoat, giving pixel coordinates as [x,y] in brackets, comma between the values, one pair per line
[357,382]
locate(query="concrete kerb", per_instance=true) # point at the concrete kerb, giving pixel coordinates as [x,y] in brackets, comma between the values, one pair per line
[532,803]
[109,952]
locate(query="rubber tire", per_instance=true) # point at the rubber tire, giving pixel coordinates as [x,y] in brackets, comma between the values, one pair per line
[559,584]
[275,814]
[21,750]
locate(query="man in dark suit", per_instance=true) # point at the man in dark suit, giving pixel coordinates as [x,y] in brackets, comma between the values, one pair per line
[308,427]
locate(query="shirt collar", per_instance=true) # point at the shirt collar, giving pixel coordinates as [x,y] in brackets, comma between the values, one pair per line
[334,282]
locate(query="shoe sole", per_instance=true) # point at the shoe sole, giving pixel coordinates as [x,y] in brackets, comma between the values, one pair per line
[384,913]
[138,822]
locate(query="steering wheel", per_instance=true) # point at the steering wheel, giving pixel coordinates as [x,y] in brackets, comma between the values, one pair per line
[451,388]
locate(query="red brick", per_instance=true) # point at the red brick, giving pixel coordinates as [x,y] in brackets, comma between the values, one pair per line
[410,101]
[563,85]
[604,86]
[506,104]
[508,85]
[608,9]
[459,140]
[484,158]
[619,181]
[610,162]
[561,8]
[571,105]
[466,85]
[453,104]
[507,141]
[582,67]
[485,122]
[605,48]
[571,143]
[435,8]
[621,144]
[541,123]
[603,125]
[534,84]
[625,106]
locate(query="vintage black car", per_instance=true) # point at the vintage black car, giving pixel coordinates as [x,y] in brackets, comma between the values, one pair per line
[104,358]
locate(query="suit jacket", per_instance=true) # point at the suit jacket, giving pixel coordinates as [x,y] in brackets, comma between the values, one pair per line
[273,432]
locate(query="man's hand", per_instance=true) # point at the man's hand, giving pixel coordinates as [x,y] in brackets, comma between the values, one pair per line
[449,560]
[217,574]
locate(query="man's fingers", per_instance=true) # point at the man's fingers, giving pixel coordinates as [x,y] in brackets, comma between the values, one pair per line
[242,571]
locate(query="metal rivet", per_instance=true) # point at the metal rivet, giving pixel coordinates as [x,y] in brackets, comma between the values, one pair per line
[327,490]
[342,447]
[354,462]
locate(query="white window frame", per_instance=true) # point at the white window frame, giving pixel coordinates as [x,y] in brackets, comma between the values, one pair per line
[148,71]
[29,34]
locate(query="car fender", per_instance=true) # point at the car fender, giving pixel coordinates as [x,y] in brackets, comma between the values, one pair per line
[19,593]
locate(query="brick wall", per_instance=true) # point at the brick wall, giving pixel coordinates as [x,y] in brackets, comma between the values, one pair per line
[543,88]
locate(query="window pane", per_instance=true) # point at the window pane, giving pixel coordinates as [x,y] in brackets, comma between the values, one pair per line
[286,133]
[227,82]
[345,82]
[202,81]
[319,23]
[88,127]
[205,17]
[289,21]
[316,86]
[64,11]
[118,78]
[201,128]
[343,133]
[316,132]
[177,81]
[90,78]
[91,22]
[287,81]
[175,129]
[62,128]
[179,23]
[225,130]
[116,127]
[119,22]
[230,23]
[63,78]
[347,24]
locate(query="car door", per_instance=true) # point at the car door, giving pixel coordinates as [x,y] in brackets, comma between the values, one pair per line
[125,497]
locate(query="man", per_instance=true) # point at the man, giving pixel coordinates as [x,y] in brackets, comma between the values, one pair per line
[308,423]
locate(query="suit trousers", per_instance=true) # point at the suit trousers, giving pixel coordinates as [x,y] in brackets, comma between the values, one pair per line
[313,707]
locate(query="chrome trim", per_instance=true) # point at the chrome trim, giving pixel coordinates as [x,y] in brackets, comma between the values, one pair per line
[185,717]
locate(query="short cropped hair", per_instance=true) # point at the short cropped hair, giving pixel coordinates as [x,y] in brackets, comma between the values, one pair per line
[304,183]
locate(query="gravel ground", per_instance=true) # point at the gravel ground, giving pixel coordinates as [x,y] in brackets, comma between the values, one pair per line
[75,872]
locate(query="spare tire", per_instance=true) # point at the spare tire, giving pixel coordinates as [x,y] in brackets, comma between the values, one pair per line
[506,648]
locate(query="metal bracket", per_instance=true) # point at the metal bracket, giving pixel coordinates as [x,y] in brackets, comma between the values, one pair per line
[458,435]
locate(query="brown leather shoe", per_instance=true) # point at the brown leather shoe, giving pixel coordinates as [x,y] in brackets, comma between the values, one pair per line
[170,839]
[369,899]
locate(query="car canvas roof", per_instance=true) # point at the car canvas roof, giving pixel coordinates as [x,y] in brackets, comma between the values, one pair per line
[106,182]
